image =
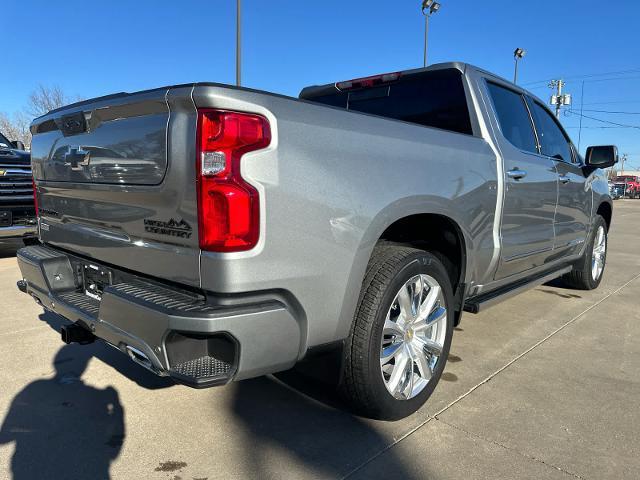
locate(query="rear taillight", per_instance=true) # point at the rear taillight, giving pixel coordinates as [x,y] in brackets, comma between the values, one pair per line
[35,195]
[228,206]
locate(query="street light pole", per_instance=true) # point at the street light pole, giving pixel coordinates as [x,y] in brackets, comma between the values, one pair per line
[238,43]
[426,37]
[517,55]
[429,7]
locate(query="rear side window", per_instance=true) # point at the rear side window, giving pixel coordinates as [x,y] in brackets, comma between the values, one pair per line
[513,117]
[433,99]
[553,142]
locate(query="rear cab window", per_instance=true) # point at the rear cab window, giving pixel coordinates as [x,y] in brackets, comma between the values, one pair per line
[434,98]
[513,117]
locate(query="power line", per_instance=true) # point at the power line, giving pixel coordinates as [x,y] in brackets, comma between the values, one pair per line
[611,102]
[586,81]
[594,127]
[592,75]
[611,79]
[603,74]
[611,111]
[603,121]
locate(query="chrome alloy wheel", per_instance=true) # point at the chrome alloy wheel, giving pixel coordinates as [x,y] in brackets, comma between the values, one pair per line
[599,253]
[413,337]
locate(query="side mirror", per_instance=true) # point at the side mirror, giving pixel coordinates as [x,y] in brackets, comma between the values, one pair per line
[17,144]
[602,156]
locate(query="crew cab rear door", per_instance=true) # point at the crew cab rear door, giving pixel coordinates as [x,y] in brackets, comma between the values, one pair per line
[531,190]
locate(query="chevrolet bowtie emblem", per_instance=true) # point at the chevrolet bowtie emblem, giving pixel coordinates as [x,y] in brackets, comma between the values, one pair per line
[76,158]
[3,173]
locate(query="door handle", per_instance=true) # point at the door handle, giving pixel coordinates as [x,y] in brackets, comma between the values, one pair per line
[564,179]
[516,174]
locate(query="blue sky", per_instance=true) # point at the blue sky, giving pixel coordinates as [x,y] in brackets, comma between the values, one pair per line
[94,48]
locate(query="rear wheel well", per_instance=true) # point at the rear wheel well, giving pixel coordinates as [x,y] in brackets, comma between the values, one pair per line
[604,210]
[434,233]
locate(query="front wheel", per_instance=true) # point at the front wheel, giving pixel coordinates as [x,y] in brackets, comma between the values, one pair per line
[587,274]
[401,334]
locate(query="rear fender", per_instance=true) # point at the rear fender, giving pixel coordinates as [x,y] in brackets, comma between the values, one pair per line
[396,211]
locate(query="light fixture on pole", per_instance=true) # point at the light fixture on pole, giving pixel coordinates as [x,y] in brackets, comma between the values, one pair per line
[518,53]
[429,7]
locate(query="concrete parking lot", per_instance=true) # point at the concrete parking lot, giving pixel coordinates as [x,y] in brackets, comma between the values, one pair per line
[546,385]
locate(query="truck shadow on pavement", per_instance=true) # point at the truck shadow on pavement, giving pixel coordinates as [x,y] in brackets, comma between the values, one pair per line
[300,417]
[63,428]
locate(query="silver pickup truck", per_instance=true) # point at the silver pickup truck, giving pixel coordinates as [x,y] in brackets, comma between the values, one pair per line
[215,233]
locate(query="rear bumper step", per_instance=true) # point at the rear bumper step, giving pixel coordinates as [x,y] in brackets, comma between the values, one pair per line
[169,331]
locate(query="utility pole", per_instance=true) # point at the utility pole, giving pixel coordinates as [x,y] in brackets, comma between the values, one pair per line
[626,184]
[622,160]
[581,109]
[238,44]
[559,99]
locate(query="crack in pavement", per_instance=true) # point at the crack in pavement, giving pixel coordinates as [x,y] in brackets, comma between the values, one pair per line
[488,378]
[14,332]
[517,452]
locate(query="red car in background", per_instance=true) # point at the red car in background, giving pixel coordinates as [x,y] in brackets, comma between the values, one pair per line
[630,185]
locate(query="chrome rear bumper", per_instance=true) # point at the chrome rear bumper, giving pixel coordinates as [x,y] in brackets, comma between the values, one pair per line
[18,231]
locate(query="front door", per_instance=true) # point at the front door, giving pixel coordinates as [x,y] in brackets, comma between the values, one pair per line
[531,187]
[573,214]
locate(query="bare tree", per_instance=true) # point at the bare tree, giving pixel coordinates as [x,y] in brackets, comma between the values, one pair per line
[43,99]
[16,127]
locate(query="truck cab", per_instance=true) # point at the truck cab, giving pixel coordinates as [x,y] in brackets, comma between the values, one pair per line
[17,211]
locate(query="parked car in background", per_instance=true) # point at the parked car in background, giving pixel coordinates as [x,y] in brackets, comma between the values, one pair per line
[17,212]
[629,185]
[361,220]
[616,191]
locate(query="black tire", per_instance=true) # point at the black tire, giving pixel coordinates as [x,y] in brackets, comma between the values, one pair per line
[362,385]
[581,278]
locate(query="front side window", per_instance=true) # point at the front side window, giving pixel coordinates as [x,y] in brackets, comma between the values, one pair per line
[553,141]
[513,117]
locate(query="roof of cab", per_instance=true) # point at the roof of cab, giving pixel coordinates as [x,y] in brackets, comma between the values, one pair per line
[331,88]
[328,88]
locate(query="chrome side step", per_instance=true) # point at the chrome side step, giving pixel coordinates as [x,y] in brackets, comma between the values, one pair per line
[486,300]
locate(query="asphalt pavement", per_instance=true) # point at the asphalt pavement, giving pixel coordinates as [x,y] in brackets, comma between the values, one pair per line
[544,385]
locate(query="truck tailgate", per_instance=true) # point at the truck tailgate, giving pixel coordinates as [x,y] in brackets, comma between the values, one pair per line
[116,181]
